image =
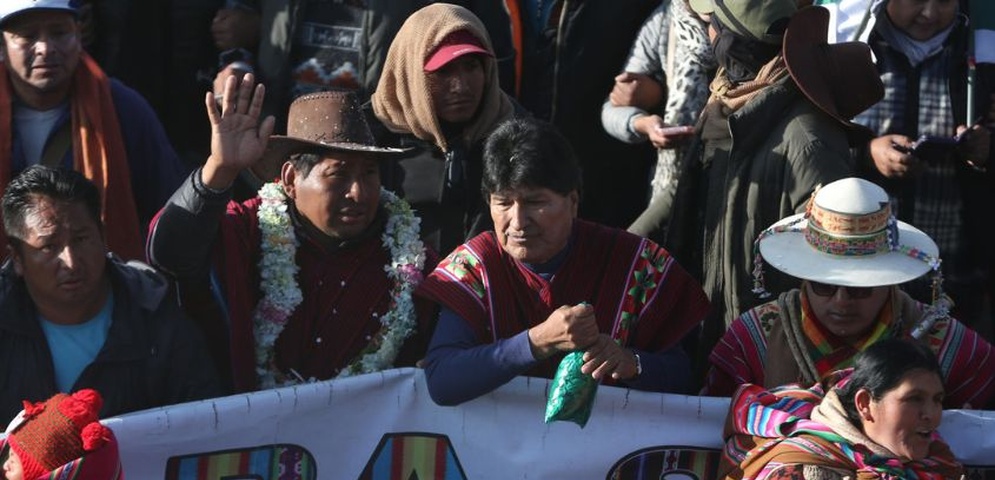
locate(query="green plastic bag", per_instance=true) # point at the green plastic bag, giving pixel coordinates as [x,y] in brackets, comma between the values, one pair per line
[571,395]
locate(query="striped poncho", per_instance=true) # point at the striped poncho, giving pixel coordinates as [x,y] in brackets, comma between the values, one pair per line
[791,432]
[769,345]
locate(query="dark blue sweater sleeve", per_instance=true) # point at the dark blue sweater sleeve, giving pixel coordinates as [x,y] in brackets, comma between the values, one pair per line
[458,368]
[156,169]
[667,371]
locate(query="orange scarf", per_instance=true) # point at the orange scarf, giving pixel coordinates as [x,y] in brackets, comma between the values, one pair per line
[831,353]
[98,153]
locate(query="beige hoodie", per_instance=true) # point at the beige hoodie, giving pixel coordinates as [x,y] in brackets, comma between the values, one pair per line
[403,100]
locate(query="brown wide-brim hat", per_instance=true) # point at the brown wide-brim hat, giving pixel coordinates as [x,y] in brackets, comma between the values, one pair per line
[326,122]
[839,78]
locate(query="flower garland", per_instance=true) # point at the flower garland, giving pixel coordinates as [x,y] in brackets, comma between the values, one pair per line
[407,258]
[282,294]
[278,272]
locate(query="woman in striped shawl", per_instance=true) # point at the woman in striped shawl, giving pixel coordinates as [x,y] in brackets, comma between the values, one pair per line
[877,423]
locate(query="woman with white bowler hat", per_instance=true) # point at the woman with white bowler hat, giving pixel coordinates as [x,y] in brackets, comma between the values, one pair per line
[851,254]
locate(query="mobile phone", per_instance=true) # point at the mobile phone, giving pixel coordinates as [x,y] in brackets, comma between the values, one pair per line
[931,148]
[668,131]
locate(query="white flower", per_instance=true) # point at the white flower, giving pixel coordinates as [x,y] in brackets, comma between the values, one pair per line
[400,238]
[282,295]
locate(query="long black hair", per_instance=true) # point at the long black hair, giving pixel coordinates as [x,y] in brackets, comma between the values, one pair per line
[881,367]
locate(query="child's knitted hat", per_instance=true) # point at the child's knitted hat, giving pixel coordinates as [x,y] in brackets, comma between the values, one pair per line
[58,431]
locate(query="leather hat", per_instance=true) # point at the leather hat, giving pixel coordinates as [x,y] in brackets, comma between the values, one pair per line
[839,78]
[326,122]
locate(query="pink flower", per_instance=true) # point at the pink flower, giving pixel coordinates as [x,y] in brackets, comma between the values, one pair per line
[411,273]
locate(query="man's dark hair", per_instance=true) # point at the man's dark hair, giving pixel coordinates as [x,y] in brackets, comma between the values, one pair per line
[881,367]
[304,162]
[525,152]
[56,183]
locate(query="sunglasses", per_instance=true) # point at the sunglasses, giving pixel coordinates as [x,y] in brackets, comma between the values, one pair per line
[827,290]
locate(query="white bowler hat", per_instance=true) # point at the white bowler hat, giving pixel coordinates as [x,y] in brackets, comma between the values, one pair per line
[848,236]
[11,8]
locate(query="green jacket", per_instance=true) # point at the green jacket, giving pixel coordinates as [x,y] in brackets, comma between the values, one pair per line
[782,148]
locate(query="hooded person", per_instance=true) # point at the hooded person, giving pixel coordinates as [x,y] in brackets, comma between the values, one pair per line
[850,254]
[439,93]
[774,129]
[61,438]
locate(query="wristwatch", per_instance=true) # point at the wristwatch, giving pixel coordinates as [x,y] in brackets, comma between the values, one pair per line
[639,365]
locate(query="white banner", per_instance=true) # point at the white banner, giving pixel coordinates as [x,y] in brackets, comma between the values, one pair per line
[385,426]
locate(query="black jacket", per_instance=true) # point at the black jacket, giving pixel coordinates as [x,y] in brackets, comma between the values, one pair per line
[153,355]
[568,67]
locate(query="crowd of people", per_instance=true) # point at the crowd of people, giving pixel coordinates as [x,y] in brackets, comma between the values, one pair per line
[479,189]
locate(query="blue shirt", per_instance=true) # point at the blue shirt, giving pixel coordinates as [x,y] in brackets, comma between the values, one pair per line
[156,169]
[74,347]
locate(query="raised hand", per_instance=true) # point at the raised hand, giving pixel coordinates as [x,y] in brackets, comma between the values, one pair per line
[238,140]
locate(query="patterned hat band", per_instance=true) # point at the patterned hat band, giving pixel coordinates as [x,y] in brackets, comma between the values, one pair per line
[848,223]
[880,241]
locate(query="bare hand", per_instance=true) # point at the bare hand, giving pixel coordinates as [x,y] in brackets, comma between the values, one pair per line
[606,358]
[235,28]
[660,134]
[976,148]
[891,161]
[567,329]
[238,140]
[636,90]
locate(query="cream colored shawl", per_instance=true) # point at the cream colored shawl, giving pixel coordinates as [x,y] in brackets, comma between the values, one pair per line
[403,101]
[830,412]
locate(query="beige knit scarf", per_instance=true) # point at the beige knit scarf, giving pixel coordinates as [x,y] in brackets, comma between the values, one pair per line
[830,413]
[727,97]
